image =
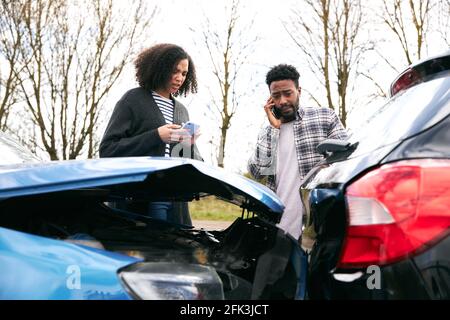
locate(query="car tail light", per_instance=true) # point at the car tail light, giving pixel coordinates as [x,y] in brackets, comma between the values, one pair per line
[396,211]
[406,80]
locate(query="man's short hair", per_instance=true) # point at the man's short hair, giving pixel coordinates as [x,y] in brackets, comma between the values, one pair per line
[282,72]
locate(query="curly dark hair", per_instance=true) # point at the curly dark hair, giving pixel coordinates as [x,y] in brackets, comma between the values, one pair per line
[154,67]
[282,72]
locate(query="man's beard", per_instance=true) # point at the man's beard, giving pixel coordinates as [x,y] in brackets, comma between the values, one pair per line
[291,116]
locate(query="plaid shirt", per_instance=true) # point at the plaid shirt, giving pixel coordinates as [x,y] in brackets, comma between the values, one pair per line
[311,127]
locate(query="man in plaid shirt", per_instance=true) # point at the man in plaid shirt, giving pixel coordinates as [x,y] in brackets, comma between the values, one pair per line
[286,150]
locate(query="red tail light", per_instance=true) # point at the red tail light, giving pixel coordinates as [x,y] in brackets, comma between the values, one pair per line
[406,80]
[396,211]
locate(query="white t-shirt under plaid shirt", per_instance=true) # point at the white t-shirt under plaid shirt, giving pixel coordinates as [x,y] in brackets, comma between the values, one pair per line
[166,106]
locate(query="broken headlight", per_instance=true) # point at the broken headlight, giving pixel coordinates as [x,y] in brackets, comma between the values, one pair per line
[172,281]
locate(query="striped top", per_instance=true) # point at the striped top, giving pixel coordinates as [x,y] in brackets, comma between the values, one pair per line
[166,106]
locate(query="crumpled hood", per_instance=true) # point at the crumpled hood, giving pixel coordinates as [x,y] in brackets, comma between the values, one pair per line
[173,178]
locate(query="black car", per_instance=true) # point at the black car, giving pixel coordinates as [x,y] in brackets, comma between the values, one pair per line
[377,209]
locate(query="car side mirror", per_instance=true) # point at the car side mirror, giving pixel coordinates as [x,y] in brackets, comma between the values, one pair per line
[333,146]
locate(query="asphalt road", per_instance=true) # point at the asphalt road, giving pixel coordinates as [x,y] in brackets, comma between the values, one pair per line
[211,225]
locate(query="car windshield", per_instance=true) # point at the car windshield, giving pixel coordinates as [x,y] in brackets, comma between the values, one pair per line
[13,153]
[405,115]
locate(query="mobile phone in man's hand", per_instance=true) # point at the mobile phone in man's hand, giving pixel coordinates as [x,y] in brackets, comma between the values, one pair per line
[190,127]
[276,112]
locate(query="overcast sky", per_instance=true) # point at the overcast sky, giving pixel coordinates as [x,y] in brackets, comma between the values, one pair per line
[177,17]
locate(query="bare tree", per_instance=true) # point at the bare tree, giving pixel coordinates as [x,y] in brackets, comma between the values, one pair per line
[309,28]
[228,48]
[417,15]
[329,39]
[70,62]
[408,22]
[348,17]
[10,40]
[444,21]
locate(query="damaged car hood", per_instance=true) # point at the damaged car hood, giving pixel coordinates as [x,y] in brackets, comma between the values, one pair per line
[176,179]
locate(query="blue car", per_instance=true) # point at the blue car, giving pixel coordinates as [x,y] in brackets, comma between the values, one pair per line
[68,230]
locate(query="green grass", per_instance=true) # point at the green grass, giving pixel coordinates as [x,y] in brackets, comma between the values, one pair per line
[211,208]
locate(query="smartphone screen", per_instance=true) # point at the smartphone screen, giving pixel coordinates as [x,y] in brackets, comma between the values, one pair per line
[191,127]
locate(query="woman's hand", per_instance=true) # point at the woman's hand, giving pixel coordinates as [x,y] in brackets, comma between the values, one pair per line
[195,136]
[184,136]
[169,132]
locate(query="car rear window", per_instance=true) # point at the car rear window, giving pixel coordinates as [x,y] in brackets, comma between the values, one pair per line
[405,115]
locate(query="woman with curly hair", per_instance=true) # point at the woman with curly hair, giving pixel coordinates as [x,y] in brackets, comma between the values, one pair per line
[147,120]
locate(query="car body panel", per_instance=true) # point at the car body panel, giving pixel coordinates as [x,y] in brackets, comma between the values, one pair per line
[52,269]
[47,207]
[421,107]
[29,179]
[431,143]
[425,276]
[340,172]
[411,125]
[419,277]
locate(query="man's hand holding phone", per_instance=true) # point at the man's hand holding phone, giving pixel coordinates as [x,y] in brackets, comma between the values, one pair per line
[272,113]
